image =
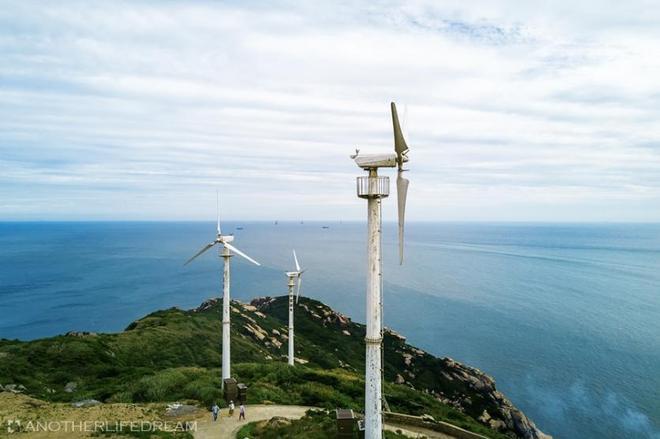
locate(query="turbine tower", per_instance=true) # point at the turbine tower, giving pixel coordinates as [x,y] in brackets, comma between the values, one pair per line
[293,276]
[374,189]
[225,253]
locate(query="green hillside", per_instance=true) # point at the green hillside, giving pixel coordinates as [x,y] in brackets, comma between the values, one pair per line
[174,355]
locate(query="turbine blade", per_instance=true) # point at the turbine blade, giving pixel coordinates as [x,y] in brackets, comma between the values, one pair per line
[298,289]
[208,246]
[400,145]
[402,194]
[295,258]
[217,209]
[238,252]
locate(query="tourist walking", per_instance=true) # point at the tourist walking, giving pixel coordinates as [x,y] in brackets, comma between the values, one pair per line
[241,412]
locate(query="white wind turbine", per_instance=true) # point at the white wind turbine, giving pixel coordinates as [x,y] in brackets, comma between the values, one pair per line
[374,189]
[293,276]
[227,248]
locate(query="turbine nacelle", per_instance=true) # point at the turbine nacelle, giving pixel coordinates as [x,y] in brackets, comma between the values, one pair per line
[225,238]
[371,161]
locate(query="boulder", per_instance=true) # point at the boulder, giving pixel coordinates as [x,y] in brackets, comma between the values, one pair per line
[496,424]
[256,331]
[85,403]
[15,388]
[70,387]
[177,409]
[277,421]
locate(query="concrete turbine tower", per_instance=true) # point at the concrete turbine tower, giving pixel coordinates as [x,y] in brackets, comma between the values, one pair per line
[293,276]
[225,253]
[374,188]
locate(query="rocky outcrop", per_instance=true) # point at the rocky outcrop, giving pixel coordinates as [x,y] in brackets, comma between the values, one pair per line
[501,414]
[70,387]
[262,302]
[257,331]
[207,304]
[13,388]
[81,334]
[177,409]
[85,403]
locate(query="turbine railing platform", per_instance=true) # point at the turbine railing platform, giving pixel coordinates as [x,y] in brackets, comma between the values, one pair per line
[373,187]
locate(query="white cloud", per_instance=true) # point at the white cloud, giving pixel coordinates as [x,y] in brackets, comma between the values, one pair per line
[515,111]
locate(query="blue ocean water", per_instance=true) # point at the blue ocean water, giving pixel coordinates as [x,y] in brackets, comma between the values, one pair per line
[565,317]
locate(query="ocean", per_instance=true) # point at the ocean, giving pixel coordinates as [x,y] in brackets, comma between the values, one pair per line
[566,317]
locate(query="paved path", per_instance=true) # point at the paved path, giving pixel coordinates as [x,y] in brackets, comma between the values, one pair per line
[226,427]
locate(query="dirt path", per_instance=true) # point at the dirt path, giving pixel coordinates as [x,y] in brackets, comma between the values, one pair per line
[226,427]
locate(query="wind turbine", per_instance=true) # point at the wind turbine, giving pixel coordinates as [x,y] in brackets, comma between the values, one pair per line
[227,248]
[293,276]
[374,189]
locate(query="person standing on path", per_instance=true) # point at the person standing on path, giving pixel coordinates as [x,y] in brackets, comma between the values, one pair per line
[241,412]
[215,409]
[231,408]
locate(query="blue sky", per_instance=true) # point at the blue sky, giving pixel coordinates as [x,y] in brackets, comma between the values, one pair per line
[522,111]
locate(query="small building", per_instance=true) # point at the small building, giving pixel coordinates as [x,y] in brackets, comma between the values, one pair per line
[242,393]
[231,390]
[346,424]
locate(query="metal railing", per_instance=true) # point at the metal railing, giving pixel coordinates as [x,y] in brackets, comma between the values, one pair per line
[373,187]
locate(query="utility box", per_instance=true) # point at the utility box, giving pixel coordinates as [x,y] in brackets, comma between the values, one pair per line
[242,393]
[231,390]
[360,428]
[345,424]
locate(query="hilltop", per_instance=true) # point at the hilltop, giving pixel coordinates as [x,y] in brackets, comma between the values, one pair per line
[174,355]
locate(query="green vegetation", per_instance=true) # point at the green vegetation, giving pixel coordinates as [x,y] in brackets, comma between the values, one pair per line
[174,355]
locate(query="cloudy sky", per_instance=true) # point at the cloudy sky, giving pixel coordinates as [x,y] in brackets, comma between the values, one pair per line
[523,111]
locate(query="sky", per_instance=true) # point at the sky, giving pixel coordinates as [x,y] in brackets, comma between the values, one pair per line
[513,111]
